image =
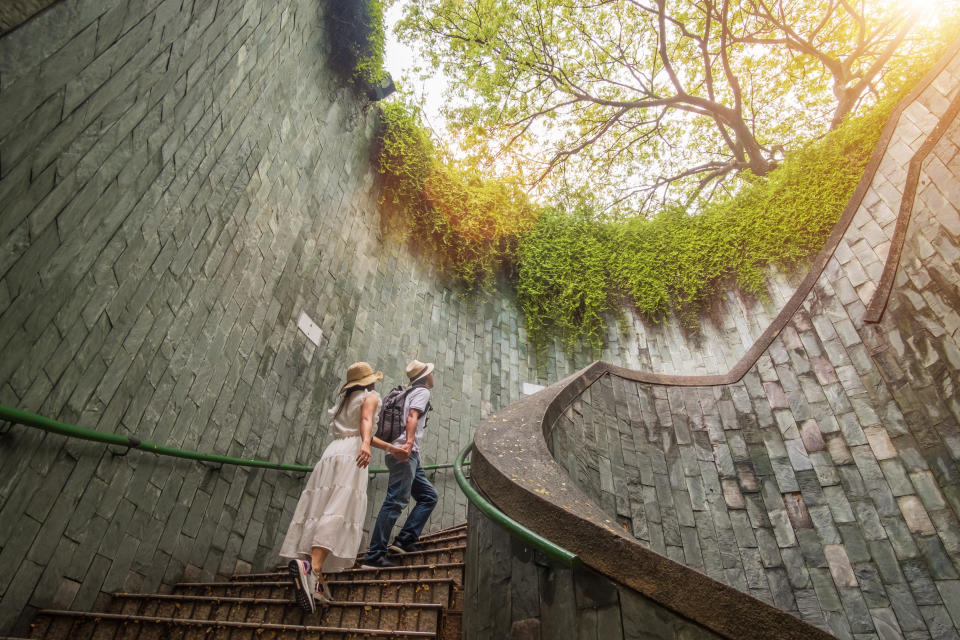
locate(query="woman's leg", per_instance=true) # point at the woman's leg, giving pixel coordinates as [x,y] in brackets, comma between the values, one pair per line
[317,556]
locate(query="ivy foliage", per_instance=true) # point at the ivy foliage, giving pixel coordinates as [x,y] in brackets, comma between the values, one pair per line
[358,40]
[576,269]
[471,223]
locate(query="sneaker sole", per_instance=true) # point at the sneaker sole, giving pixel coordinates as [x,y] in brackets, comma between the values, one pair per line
[304,598]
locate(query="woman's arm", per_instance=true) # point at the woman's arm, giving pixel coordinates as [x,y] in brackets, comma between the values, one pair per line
[366,432]
[366,428]
[397,452]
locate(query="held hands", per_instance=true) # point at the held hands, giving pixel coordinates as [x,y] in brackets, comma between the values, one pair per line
[363,458]
[400,453]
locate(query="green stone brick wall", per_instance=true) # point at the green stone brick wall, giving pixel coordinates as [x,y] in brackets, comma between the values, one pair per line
[179,181]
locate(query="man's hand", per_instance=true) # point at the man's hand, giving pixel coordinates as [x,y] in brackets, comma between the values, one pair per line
[400,453]
[408,447]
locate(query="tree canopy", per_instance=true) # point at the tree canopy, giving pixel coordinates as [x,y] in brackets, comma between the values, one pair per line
[646,102]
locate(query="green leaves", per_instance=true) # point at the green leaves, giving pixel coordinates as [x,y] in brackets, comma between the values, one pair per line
[470,222]
[576,266]
[574,269]
[358,40]
[562,280]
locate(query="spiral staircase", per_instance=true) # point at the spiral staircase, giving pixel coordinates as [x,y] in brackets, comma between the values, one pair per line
[420,598]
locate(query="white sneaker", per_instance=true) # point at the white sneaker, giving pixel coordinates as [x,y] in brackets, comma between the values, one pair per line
[304,582]
[321,592]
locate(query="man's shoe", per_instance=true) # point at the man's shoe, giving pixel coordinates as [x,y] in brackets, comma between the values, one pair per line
[303,580]
[402,548]
[383,562]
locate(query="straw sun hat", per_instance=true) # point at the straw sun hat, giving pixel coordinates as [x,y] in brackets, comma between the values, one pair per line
[417,370]
[360,374]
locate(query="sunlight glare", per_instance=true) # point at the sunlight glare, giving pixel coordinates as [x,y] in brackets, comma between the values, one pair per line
[928,12]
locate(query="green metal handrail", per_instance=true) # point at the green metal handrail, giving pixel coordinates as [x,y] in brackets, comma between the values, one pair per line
[18,416]
[558,553]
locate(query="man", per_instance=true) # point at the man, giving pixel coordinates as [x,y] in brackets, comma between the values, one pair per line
[406,475]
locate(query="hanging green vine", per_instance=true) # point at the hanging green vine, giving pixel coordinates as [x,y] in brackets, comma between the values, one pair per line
[472,223]
[573,269]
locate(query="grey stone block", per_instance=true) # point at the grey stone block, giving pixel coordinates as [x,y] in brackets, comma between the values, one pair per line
[940,565]
[938,622]
[908,614]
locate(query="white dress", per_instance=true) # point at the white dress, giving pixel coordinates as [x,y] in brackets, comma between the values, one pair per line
[333,505]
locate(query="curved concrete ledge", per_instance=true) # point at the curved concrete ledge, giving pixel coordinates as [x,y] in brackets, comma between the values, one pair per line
[879,302]
[512,462]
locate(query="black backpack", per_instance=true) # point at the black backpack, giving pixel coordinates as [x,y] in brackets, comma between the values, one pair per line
[390,421]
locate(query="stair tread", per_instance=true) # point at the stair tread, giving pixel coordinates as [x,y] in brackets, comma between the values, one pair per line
[373,591]
[362,556]
[456,527]
[239,625]
[242,577]
[287,583]
[241,599]
[456,547]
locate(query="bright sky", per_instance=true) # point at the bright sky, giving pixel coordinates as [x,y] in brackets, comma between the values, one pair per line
[400,60]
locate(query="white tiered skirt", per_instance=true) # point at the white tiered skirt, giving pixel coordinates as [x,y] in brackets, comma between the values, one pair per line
[331,509]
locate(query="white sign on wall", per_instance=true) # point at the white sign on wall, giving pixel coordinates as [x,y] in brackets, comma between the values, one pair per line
[310,328]
[529,388]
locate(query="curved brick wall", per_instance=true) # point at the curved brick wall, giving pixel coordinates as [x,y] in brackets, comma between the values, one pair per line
[823,479]
[178,183]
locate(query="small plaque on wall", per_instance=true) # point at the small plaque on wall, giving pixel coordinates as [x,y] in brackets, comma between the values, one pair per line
[310,328]
[530,388]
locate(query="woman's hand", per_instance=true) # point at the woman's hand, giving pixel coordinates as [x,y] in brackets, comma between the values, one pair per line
[363,458]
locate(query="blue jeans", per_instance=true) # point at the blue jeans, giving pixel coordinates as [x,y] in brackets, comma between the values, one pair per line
[406,479]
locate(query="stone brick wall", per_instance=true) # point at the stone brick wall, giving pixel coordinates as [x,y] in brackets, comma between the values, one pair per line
[179,181]
[13,13]
[826,481]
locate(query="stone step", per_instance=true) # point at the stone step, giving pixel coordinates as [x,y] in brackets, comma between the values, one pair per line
[459,529]
[403,616]
[428,553]
[441,555]
[446,539]
[441,590]
[74,625]
[453,570]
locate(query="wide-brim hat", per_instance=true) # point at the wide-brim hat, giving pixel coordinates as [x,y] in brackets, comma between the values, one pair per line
[417,370]
[360,374]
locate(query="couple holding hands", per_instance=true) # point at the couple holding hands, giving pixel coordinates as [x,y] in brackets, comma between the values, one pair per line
[325,533]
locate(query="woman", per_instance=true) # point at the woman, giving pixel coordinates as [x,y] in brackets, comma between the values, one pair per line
[327,525]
